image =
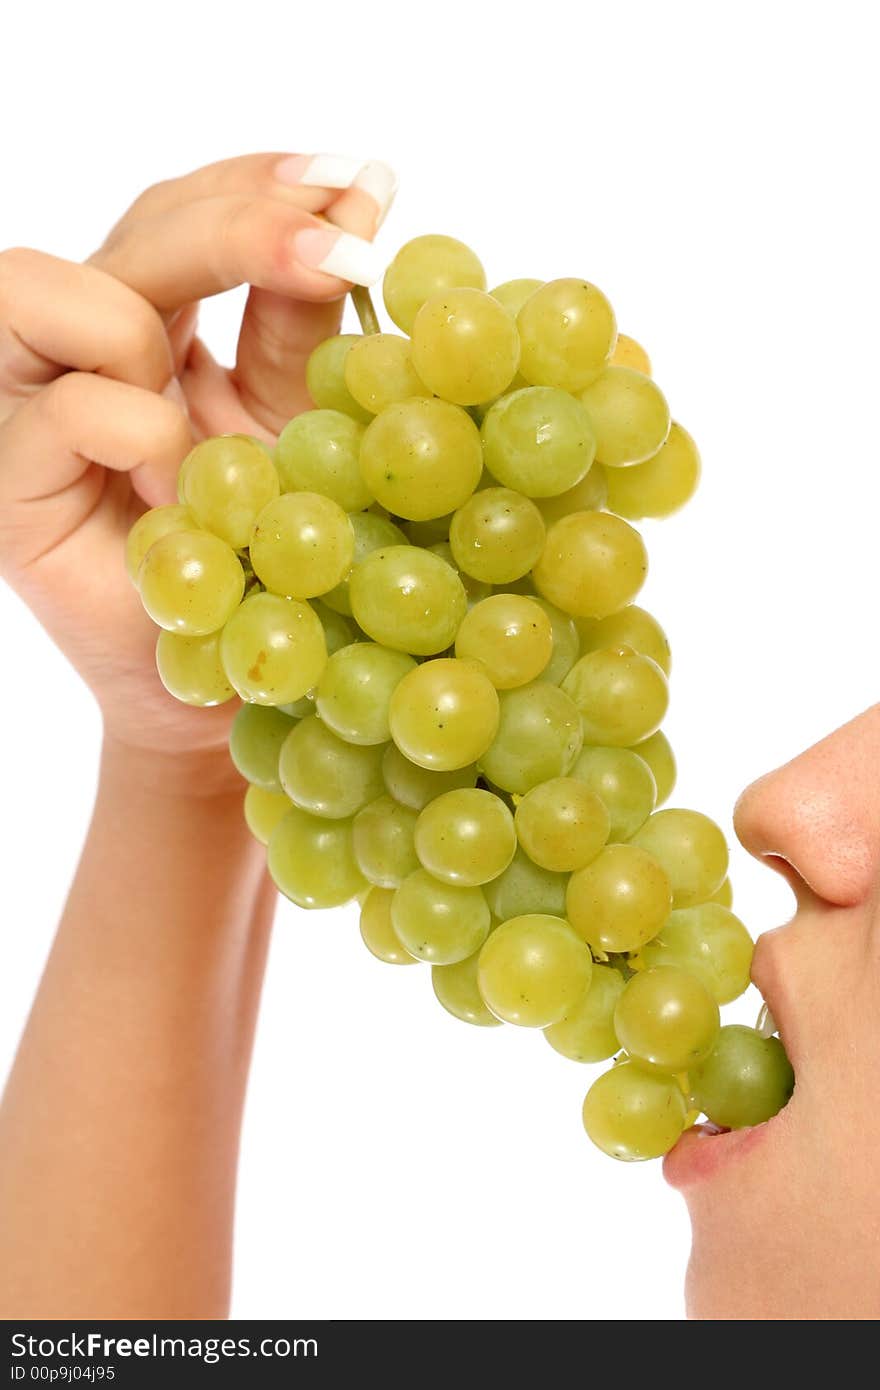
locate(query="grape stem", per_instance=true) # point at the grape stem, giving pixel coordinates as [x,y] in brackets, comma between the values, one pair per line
[363,303]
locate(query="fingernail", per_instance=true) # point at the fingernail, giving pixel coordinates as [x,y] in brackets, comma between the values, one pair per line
[318,170]
[380,182]
[339,253]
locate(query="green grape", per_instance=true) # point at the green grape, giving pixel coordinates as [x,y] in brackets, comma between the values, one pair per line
[589,495]
[723,895]
[539,736]
[377,929]
[439,922]
[354,693]
[425,266]
[622,782]
[421,458]
[434,531]
[525,888]
[622,696]
[592,564]
[630,627]
[567,331]
[227,483]
[149,528]
[379,372]
[586,1034]
[416,786]
[692,850]
[408,599]
[538,440]
[656,752]
[190,582]
[659,486]
[318,451]
[514,293]
[263,810]
[273,649]
[561,824]
[497,535]
[510,635]
[444,715]
[668,1018]
[711,943]
[465,836]
[566,643]
[191,670]
[338,632]
[457,990]
[475,589]
[302,545]
[371,532]
[634,1112]
[325,377]
[620,900]
[312,860]
[255,740]
[326,776]
[628,353]
[533,970]
[383,842]
[465,346]
[629,414]
[745,1079]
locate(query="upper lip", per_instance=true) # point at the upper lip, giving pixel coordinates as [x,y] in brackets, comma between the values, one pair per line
[769,978]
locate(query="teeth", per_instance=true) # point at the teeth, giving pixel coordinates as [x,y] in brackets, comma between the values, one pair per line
[766,1024]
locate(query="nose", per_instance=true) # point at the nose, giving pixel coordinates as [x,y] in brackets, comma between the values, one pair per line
[818,817]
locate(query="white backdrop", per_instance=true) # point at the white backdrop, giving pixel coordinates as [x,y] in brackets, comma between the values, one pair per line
[712,167]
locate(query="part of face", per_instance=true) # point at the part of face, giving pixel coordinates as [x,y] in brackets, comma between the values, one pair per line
[788,1227]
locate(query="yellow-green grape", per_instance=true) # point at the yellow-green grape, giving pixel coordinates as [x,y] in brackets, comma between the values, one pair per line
[630,627]
[567,330]
[692,850]
[586,1034]
[421,458]
[657,753]
[379,372]
[227,483]
[190,582]
[416,786]
[539,736]
[255,740]
[629,414]
[439,922]
[465,346]
[326,776]
[524,887]
[383,842]
[434,531]
[423,267]
[377,929]
[497,535]
[589,495]
[263,810]
[457,990]
[628,353]
[533,970]
[465,837]
[510,635]
[566,643]
[475,589]
[354,693]
[338,632]
[662,484]
[723,895]
[514,293]
[622,696]
[406,598]
[711,943]
[592,564]
[325,377]
[371,532]
[620,900]
[149,528]
[623,783]
[273,649]
[538,440]
[312,860]
[745,1080]
[302,545]
[634,1113]
[444,715]
[319,451]
[561,824]
[191,670]
[667,1017]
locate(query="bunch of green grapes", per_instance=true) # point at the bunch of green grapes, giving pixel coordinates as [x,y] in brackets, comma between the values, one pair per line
[424,597]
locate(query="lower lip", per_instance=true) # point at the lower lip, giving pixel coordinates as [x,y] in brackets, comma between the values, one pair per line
[703,1150]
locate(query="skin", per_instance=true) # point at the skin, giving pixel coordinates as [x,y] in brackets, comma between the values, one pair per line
[130,1077]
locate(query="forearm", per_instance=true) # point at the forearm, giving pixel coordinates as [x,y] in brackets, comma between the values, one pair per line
[120,1124]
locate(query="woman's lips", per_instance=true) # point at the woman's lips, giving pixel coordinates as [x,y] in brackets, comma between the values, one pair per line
[705,1148]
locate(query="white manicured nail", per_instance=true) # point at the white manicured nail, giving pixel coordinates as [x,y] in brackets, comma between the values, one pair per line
[380,182]
[318,170]
[339,253]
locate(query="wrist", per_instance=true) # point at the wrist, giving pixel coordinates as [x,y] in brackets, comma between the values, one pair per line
[197,774]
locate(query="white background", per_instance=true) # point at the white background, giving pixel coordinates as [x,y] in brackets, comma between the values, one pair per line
[713,168]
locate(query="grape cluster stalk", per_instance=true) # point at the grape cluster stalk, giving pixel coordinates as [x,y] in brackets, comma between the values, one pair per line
[424,597]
